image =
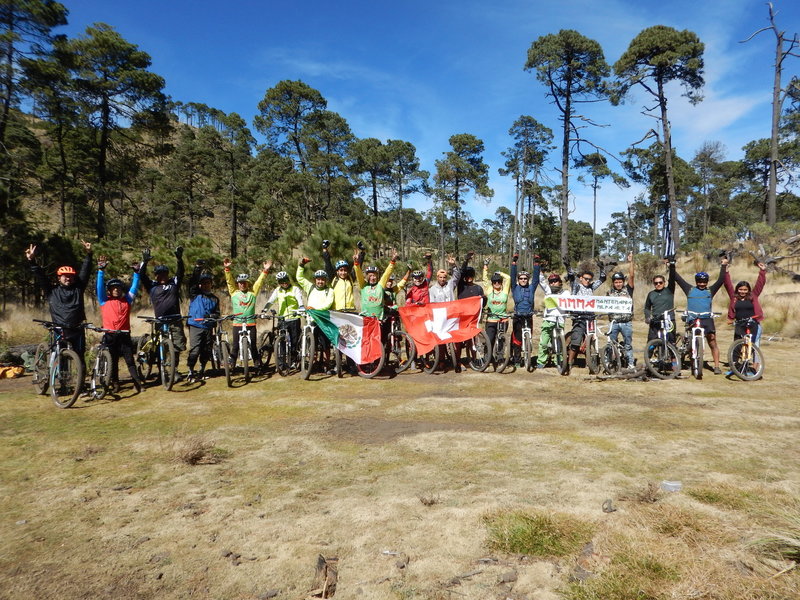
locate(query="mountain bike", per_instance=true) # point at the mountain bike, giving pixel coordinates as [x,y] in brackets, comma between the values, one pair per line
[444,354]
[370,369]
[57,367]
[158,349]
[613,357]
[590,346]
[661,357]
[247,355]
[400,348]
[526,349]
[694,341]
[220,347]
[745,358]
[278,342]
[556,347]
[479,351]
[501,347]
[100,377]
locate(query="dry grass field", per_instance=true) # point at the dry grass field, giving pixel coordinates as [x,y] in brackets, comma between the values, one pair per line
[442,486]
[446,486]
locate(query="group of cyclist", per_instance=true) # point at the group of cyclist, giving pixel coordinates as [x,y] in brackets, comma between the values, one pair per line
[334,287]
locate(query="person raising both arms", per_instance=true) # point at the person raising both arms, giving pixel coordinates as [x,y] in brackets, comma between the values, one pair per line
[341,279]
[115,309]
[318,297]
[243,304]
[744,303]
[419,292]
[203,303]
[699,300]
[659,300]
[623,323]
[165,295]
[523,289]
[287,298]
[581,285]
[496,300]
[66,297]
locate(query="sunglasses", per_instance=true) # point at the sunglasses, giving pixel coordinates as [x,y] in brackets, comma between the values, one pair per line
[658,283]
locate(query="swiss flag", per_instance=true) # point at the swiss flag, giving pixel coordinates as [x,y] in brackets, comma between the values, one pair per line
[442,322]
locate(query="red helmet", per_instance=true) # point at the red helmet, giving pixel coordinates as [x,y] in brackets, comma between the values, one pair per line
[65,270]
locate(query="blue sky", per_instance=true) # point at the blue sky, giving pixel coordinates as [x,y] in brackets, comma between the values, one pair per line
[423,71]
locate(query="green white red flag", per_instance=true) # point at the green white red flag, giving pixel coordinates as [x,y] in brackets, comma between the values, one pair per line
[442,322]
[355,336]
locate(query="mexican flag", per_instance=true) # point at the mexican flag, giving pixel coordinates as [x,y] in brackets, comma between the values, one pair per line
[355,336]
[442,322]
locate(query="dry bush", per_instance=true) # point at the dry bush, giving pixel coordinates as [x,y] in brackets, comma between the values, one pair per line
[649,494]
[198,450]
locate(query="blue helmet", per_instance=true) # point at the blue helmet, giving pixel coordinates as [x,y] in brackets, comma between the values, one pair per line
[341,263]
[701,276]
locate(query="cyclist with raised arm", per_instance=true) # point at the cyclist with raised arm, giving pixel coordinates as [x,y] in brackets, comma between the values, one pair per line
[467,288]
[623,322]
[203,303]
[115,309]
[744,303]
[341,279]
[394,287]
[243,304]
[165,295]
[318,297]
[287,298]
[552,285]
[523,293]
[581,285]
[699,300]
[444,288]
[419,292]
[496,294]
[66,297]
[660,300]
[372,289]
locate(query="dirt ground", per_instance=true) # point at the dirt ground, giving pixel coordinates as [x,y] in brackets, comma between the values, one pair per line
[394,479]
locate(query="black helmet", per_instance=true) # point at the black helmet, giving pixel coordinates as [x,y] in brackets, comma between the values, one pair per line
[205,276]
[161,269]
[417,274]
[496,278]
[115,283]
[618,277]
[469,272]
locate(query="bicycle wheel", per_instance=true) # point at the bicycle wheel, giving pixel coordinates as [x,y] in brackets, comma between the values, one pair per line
[66,378]
[501,352]
[283,362]
[661,359]
[746,360]
[565,364]
[697,359]
[101,374]
[479,352]
[41,370]
[244,354]
[167,363]
[145,357]
[224,350]
[431,360]
[307,354]
[372,368]
[527,351]
[451,351]
[592,355]
[402,351]
[610,359]
[266,347]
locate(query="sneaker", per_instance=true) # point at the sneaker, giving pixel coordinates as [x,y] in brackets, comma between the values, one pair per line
[565,372]
[717,371]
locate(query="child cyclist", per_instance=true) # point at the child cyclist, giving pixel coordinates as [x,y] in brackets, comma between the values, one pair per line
[243,304]
[115,308]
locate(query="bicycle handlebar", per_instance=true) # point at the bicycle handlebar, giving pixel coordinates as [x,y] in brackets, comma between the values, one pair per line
[104,330]
[162,319]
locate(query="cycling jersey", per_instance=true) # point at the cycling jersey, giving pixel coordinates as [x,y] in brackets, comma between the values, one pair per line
[700,301]
[116,312]
[287,300]
[244,302]
[660,301]
[318,299]
[372,296]
[496,302]
[166,297]
[343,298]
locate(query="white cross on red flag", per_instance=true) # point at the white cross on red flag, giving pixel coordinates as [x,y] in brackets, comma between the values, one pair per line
[442,322]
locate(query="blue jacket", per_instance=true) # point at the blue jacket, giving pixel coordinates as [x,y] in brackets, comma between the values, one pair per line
[523,295]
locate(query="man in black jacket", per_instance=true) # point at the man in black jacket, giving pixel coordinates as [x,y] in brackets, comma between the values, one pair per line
[66,297]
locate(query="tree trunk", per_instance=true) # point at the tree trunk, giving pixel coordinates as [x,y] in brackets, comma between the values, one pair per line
[773,140]
[565,179]
[667,145]
[594,213]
